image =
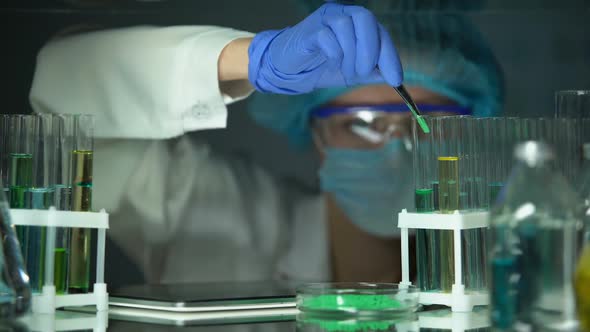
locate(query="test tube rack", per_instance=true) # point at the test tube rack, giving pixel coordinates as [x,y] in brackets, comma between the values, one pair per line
[459,300]
[47,301]
[67,321]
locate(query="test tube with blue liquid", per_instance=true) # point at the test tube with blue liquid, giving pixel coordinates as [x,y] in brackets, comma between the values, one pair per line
[40,196]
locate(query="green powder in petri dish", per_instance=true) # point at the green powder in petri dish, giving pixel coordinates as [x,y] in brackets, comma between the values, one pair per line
[356,301]
[350,326]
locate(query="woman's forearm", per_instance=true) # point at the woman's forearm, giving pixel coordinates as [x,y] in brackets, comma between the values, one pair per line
[233,61]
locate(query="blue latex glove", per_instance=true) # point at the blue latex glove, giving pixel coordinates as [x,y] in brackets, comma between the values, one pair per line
[336,46]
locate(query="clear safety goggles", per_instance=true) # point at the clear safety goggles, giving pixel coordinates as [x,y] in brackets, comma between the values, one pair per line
[371,127]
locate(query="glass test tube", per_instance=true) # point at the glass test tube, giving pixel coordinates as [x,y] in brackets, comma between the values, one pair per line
[41,197]
[426,245]
[64,145]
[495,134]
[572,104]
[82,155]
[448,191]
[20,169]
[4,147]
[569,147]
[480,163]
[472,245]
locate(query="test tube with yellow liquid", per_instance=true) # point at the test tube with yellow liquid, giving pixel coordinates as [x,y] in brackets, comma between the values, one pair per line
[447,152]
[80,239]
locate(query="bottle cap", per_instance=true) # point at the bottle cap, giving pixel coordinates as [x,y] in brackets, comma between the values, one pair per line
[533,153]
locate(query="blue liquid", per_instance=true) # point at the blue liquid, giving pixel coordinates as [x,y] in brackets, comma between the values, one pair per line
[503,296]
[42,199]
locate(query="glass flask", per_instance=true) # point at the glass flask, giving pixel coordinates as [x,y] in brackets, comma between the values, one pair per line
[15,293]
[534,237]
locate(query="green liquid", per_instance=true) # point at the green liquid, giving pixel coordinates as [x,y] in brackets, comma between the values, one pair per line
[424,200]
[21,169]
[425,243]
[435,195]
[18,197]
[61,270]
[21,179]
[79,277]
[41,199]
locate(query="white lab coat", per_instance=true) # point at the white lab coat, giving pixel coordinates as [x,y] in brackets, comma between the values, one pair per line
[180,211]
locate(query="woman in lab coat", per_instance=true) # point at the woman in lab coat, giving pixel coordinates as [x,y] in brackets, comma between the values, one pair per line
[184,213]
[178,210]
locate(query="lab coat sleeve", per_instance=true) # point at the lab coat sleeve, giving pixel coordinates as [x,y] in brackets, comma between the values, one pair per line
[140,82]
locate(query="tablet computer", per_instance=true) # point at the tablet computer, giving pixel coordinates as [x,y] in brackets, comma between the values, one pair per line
[205,297]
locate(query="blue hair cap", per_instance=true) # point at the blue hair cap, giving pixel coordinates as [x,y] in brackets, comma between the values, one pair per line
[443,53]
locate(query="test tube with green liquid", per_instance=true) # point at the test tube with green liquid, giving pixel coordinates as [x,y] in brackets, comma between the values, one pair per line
[426,247]
[4,152]
[20,170]
[82,155]
[64,145]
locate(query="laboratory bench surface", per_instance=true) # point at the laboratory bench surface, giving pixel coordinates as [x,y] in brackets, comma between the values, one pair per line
[428,320]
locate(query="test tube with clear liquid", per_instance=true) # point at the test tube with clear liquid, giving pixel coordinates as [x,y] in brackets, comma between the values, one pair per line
[82,159]
[426,245]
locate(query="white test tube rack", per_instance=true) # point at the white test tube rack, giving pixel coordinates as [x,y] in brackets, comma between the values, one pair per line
[67,321]
[47,301]
[459,300]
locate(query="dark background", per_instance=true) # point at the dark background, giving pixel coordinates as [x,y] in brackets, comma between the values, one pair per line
[543,46]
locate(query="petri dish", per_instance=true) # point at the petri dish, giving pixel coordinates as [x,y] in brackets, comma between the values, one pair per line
[359,299]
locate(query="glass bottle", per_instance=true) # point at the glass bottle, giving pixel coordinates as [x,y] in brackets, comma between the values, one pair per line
[533,244]
[15,292]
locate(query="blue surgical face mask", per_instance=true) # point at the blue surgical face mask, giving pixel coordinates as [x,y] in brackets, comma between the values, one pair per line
[370,186]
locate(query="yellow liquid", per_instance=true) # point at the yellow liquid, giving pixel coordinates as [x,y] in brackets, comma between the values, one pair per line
[79,276]
[82,182]
[582,285]
[448,200]
[448,184]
